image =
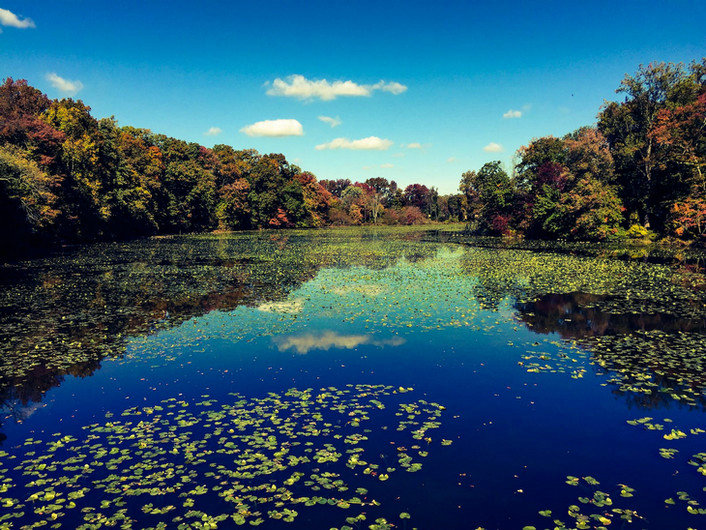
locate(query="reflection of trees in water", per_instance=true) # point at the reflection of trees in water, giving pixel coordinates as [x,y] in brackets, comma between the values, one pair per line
[647,320]
[62,315]
[658,399]
[626,287]
[671,349]
[22,397]
[574,316]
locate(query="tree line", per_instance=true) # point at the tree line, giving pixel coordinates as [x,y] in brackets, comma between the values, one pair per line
[639,172]
[66,176]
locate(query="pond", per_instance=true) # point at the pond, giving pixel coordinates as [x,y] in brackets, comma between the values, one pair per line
[348,379]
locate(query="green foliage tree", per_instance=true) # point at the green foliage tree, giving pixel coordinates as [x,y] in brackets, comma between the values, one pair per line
[27,202]
[646,184]
[490,193]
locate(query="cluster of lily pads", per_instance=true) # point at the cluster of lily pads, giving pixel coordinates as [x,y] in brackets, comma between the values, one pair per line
[199,464]
[568,358]
[655,366]
[674,434]
[594,509]
[626,287]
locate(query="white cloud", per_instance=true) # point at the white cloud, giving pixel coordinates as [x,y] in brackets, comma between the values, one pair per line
[451,159]
[64,85]
[367,168]
[370,143]
[492,147]
[393,87]
[399,155]
[274,128]
[333,122]
[387,165]
[298,86]
[8,18]
[414,145]
[512,114]
[214,131]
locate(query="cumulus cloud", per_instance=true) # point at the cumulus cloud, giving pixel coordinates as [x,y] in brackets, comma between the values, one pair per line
[512,114]
[333,122]
[64,85]
[387,165]
[298,86]
[8,18]
[372,143]
[274,128]
[303,344]
[492,147]
[214,131]
[414,145]
[451,159]
[393,87]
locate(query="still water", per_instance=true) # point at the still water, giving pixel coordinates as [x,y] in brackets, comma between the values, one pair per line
[393,378]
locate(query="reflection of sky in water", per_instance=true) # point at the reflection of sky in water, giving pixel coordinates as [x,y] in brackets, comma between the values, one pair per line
[518,430]
[330,339]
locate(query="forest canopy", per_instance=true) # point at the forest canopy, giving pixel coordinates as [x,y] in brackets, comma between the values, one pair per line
[639,172]
[67,176]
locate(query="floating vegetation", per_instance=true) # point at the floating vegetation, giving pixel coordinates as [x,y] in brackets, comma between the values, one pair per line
[594,508]
[667,453]
[654,366]
[64,314]
[699,461]
[646,423]
[690,505]
[200,464]
[289,308]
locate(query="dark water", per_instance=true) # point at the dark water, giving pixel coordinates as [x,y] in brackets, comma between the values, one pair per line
[515,369]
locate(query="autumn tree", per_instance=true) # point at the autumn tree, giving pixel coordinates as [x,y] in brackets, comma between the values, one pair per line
[681,131]
[317,199]
[417,195]
[336,187]
[639,157]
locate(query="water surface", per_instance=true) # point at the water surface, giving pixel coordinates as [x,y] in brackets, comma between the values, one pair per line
[349,378]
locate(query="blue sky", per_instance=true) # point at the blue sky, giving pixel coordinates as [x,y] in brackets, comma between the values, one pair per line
[433,79]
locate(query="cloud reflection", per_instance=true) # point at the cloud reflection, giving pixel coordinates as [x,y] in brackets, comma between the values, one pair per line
[290,307]
[304,343]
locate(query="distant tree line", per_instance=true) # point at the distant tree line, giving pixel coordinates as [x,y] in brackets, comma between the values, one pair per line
[66,176]
[379,201]
[640,172]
